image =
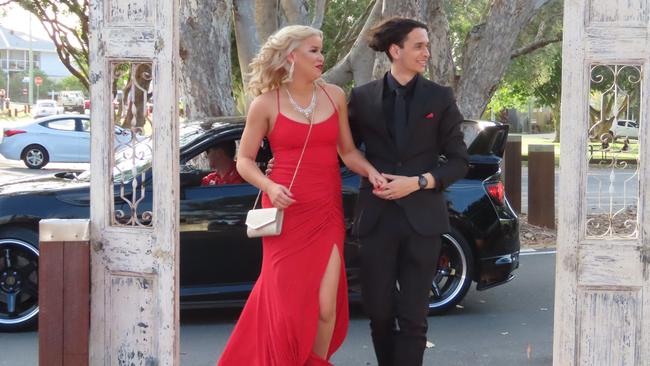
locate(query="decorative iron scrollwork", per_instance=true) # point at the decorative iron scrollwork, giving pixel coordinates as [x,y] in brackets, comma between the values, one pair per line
[132,145]
[613,152]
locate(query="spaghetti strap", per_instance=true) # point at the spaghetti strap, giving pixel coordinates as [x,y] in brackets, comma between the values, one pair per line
[328,97]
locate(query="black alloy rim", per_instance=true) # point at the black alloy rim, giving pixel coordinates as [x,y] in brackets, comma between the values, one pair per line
[450,275]
[18,281]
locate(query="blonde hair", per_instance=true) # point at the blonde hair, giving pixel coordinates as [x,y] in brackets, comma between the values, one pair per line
[269,69]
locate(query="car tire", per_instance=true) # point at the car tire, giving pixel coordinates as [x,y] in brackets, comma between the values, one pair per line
[35,156]
[19,280]
[454,273]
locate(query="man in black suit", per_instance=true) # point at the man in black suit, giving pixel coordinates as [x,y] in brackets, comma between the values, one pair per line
[405,122]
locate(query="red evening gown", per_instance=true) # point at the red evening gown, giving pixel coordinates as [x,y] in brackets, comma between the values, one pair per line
[278,325]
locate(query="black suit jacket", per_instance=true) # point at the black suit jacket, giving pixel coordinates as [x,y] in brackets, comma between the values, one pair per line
[433,129]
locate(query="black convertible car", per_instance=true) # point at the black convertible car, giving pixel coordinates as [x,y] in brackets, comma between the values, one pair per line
[219,264]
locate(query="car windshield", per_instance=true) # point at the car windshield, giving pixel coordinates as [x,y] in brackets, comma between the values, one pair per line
[46,104]
[127,166]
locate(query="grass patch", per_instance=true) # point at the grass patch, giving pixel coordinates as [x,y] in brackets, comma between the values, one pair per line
[615,147]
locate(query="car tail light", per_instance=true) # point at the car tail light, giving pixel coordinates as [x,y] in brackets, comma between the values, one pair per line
[496,191]
[9,133]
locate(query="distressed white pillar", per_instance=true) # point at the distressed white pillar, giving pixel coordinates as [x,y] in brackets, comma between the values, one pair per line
[602,295]
[134,194]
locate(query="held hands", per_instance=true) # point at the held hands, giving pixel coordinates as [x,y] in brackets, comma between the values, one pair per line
[398,186]
[280,196]
[377,180]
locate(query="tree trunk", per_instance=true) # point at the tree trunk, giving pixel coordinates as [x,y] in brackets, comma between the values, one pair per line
[205,58]
[319,13]
[488,49]
[441,63]
[266,18]
[138,101]
[296,11]
[357,64]
[556,121]
[245,35]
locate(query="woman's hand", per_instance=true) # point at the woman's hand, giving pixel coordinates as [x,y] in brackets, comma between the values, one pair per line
[280,196]
[398,187]
[377,180]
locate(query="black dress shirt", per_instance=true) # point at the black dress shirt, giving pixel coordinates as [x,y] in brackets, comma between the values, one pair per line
[390,84]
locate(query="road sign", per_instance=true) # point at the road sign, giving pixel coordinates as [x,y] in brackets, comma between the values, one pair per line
[38,81]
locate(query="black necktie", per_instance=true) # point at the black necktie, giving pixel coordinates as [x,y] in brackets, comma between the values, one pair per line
[399,117]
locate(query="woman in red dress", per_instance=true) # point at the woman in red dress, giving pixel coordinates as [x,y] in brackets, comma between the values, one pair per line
[297,313]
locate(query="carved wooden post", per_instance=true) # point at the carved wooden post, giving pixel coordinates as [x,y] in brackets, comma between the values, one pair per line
[134,183]
[602,295]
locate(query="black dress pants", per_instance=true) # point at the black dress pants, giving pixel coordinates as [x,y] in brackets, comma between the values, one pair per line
[397,269]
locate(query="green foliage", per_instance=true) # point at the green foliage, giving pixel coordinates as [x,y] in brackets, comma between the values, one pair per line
[548,90]
[536,74]
[71,83]
[341,26]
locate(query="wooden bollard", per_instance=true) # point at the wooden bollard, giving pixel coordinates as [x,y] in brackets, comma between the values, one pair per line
[541,185]
[64,293]
[512,172]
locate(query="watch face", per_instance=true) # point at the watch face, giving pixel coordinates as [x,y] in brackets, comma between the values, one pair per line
[422,182]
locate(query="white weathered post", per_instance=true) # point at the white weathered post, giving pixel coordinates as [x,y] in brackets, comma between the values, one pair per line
[602,296]
[135,204]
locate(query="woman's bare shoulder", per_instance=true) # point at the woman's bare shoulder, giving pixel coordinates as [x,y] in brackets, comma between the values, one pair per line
[335,91]
[265,102]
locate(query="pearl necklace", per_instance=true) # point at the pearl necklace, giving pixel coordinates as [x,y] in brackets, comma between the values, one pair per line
[307,111]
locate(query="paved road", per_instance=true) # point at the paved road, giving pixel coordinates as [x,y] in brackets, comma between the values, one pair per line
[507,325]
[15,169]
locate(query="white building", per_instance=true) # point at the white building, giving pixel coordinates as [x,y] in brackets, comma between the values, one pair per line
[14,54]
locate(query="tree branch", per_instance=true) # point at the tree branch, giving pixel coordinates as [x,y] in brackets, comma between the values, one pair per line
[296,11]
[441,63]
[71,43]
[534,46]
[357,64]
[319,13]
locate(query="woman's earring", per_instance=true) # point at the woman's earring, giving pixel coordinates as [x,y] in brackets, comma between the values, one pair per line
[290,76]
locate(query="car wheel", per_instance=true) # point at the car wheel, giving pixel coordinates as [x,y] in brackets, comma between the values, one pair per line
[18,279]
[454,274]
[35,156]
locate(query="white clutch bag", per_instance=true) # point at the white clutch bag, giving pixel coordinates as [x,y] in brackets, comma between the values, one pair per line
[264,222]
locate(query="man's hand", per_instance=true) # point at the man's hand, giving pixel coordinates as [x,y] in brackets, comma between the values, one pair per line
[280,196]
[398,186]
[269,166]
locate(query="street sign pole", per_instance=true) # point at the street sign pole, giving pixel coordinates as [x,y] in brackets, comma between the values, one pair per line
[38,81]
[31,65]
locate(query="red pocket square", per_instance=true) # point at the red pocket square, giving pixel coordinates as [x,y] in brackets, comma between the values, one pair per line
[429,116]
